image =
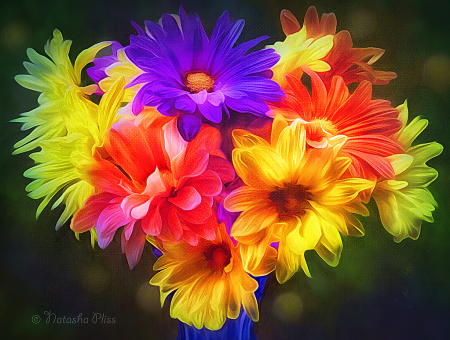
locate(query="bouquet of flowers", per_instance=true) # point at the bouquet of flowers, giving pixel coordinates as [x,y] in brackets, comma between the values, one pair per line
[229,161]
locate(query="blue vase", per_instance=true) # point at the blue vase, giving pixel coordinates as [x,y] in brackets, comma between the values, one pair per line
[241,328]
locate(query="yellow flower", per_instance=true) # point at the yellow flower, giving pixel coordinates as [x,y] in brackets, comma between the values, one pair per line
[209,281]
[297,49]
[122,68]
[405,201]
[59,81]
[292,195]
[68,126]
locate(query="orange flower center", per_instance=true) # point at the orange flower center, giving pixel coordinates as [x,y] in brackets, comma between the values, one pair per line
[290,201]
[198,81]
[218,257]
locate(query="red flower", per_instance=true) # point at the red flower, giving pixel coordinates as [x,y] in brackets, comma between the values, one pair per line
[154,183]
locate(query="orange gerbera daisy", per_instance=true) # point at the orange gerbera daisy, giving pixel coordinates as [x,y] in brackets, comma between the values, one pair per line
[368,124]
[293,195]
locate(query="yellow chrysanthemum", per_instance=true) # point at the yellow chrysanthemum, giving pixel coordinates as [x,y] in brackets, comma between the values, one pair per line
[67,126]
[405,202]
[209,281]
[122,68]
[297,50]
[293,195]
[57,79]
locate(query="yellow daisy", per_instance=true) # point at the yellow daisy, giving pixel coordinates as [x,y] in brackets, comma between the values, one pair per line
[297,50]
[405,201]
[209,281]
[123,67]
[292,195]
[68,126]
[59,83]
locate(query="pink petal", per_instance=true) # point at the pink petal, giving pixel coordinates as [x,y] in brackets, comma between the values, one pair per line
[86,218]
[155,185]
[173,142]
[111,218]
[130,202]
[128,230]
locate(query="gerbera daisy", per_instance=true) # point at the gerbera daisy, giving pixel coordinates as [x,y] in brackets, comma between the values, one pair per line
[368,124]
[208,279]
[293,195]
[154,183]
[352,64]
[191,76]
[404,202]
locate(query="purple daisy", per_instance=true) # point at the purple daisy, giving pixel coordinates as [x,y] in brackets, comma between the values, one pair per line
[190,76]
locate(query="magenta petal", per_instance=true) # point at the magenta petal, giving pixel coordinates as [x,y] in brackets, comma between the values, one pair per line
[187,198]
[108,222]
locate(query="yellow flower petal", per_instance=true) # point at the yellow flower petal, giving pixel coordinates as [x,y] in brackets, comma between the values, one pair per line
[260,167]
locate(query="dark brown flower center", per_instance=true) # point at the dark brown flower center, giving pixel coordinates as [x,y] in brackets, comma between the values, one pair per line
[218,257]
[290,200]
[198,81]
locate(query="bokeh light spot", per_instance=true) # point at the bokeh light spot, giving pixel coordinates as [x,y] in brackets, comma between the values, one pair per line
[361,24]
[147,298]
[14,35]
[288,307]
[436,72]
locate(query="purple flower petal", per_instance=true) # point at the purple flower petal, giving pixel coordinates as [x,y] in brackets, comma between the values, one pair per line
[189,125]
[211,112]
[185,103]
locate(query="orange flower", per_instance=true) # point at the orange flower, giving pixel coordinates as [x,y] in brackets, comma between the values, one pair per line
[368,124]
[352,64]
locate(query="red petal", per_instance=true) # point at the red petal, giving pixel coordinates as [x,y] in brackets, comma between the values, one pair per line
[152,222]
[134,246]
[221,167]
[197,215]
[207,184]
[205,230]
[187,198]
[171,230]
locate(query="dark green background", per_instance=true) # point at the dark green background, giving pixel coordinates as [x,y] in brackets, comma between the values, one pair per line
[380,289]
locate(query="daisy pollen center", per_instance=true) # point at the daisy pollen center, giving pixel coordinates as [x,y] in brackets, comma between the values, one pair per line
[198,81]
[218,258]
[290,200]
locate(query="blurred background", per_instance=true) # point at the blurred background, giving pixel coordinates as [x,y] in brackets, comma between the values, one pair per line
[379,290]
